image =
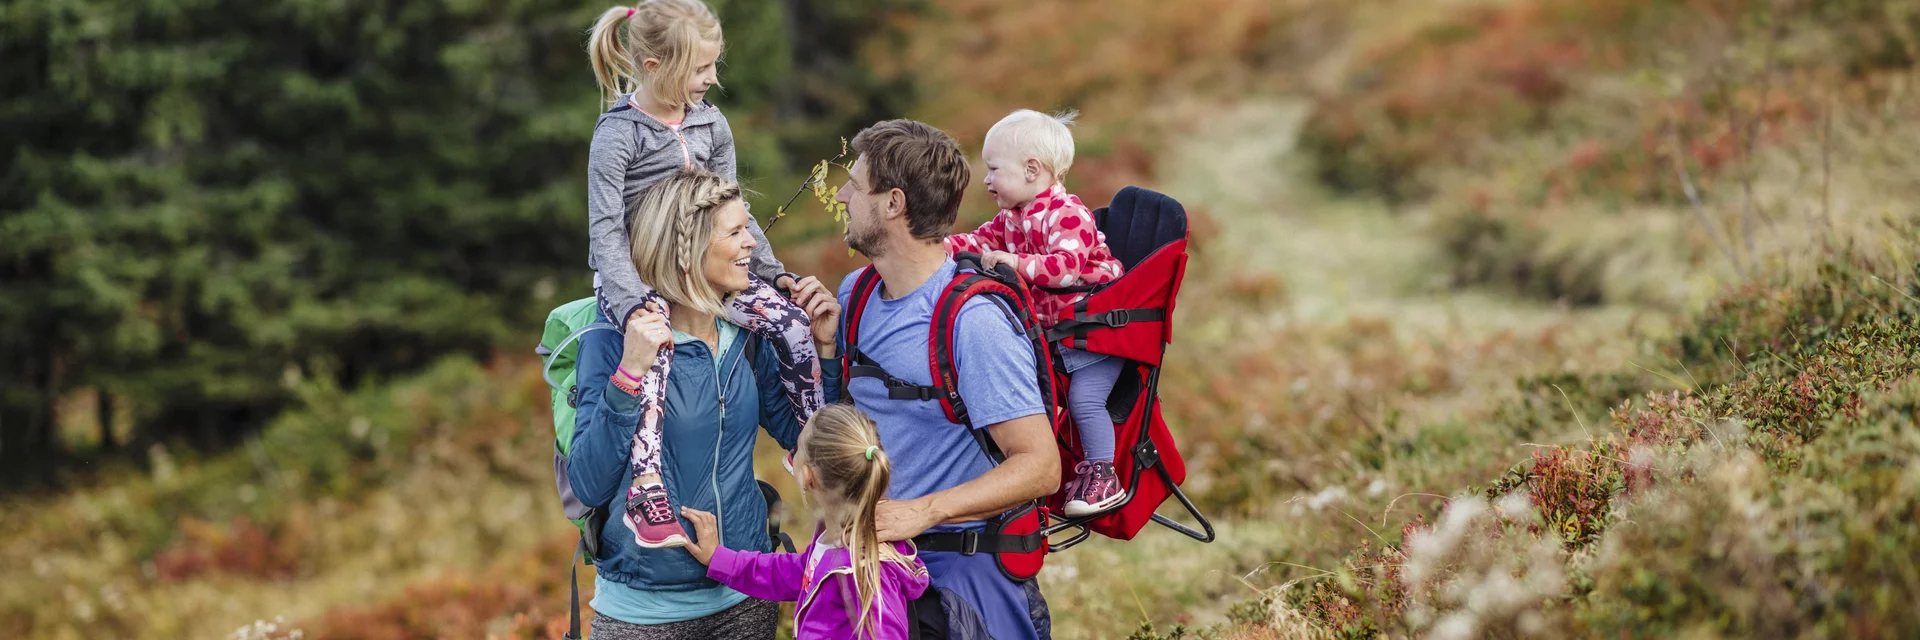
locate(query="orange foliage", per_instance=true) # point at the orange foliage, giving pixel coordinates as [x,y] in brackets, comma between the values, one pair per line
[1433,97]
[1495,68]
[519,597]
[1104,57]
[240,548]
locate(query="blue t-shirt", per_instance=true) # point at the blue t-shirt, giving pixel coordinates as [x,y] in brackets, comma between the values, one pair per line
[931,454]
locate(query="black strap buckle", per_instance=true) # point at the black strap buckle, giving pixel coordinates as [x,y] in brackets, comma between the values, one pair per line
[1145,455]
[969,543]
[1123,317]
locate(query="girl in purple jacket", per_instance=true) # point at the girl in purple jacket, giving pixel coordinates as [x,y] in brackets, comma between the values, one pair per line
[848,584]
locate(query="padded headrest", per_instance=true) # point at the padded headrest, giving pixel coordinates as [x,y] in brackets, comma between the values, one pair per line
[1139,222]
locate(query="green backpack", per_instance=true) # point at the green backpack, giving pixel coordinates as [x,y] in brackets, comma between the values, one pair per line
[560,345]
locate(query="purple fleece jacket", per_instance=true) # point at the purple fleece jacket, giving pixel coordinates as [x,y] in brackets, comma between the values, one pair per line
[827,607]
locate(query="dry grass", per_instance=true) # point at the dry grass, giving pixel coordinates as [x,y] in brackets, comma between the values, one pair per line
[1338,372]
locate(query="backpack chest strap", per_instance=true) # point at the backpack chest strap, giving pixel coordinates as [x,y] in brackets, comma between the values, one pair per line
[861,366]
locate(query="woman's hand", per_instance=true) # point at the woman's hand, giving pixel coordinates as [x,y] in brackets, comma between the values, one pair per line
[706,531]
[820,305]
[647,331]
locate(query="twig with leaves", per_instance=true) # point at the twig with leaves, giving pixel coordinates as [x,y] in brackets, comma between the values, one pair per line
[817,182]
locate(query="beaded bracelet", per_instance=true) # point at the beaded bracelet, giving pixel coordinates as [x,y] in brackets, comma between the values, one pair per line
[632,388]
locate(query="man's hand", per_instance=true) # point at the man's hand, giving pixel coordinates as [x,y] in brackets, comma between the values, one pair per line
[903,519]
[706,531]
[820,305]
[1031,470]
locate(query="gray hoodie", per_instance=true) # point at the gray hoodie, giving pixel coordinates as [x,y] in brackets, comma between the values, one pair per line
[631,151]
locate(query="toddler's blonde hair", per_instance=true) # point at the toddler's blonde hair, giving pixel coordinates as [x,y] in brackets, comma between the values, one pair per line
[1039,136]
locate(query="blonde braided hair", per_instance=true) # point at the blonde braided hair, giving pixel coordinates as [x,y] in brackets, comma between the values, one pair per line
[671,227]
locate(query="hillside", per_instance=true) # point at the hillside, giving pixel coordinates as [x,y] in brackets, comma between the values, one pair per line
[1523,318]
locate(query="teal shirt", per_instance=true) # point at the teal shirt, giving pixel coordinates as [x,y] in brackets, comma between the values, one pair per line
[633,606]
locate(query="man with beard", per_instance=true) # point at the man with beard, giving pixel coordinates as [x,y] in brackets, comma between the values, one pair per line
[902,197]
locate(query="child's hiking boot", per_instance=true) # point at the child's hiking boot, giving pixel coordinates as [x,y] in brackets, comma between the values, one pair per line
[1096,489]
[657,528]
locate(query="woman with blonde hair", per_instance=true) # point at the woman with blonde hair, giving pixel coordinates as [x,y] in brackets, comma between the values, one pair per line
[690,242]
[655,62]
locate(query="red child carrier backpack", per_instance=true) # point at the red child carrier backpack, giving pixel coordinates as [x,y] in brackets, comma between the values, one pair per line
[1015,537]
[1131,318]
[1127,318]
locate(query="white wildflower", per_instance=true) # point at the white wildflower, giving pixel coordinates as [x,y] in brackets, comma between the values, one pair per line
[1327,496]
[1514,505]
[1457,626]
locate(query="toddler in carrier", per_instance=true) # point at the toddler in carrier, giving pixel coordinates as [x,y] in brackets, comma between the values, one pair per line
[1048,236]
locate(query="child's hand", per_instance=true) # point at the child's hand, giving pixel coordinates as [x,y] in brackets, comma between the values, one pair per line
[989,259]
[706,532]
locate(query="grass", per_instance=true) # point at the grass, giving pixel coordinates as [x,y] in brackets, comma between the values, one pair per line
[349,499]
[1371,362]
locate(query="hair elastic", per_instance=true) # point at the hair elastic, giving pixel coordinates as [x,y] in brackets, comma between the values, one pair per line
[871,449]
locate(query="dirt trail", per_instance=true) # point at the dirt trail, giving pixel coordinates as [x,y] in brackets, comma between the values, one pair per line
[1338,259]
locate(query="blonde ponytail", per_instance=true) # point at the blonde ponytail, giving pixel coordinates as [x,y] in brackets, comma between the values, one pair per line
[670,31]
[613,66]
[842,445]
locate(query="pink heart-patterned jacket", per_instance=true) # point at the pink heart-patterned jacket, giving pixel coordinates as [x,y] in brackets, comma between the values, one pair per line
[1057,245]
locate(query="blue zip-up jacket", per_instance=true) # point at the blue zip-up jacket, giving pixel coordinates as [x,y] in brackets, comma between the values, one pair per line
[707,439]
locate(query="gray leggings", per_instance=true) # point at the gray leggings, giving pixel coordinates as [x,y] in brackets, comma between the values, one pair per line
[751,620]
[1093,378]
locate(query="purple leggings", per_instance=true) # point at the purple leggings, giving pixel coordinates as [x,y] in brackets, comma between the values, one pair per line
[1093,378]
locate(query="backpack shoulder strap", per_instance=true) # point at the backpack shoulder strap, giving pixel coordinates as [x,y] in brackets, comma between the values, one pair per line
[1010,296]
[863,287]
[857,364]
[969,281]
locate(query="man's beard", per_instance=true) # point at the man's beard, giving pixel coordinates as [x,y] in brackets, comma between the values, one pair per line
[869,244]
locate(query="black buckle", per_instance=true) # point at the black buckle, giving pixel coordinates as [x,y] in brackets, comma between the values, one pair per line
[1145,455]
[573,396]
[1119,318]
[969,543]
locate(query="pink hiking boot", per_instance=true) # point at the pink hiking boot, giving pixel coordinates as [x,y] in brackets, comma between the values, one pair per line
[1096,488]
[658,529]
